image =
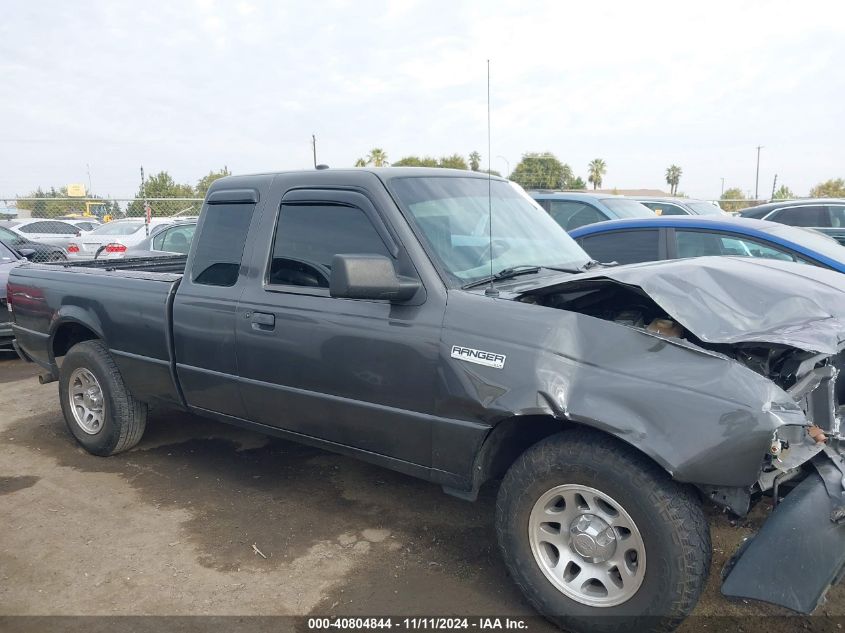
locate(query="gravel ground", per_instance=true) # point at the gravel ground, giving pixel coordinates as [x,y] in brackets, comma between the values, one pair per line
[174,527]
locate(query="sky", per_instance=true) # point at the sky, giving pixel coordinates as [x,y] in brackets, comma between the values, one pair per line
[190,86]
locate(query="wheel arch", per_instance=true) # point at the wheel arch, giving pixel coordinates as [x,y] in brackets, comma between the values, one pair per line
[511,437]
[69,330]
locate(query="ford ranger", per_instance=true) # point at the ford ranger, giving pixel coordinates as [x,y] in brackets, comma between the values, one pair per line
[441,324]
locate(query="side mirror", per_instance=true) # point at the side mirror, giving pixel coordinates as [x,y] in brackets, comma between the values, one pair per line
[28,253]
[369,277]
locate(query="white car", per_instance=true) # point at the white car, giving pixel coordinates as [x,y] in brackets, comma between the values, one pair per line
[112,239]
[44,230]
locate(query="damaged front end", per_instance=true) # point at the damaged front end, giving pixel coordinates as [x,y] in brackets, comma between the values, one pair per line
[795,338]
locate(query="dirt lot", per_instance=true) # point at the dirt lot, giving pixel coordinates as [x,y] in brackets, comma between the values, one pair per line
[172,528]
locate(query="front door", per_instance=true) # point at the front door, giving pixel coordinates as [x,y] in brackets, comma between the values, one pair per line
[354,372]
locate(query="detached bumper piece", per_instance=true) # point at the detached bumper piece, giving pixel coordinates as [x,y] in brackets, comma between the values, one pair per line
[800,550]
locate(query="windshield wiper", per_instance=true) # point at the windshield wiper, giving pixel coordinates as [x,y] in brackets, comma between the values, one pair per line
[580,269]
[505,273]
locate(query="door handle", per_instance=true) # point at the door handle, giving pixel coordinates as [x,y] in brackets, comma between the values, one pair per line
[263,321]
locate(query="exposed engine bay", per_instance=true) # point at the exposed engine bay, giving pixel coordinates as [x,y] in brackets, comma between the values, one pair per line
[807,376]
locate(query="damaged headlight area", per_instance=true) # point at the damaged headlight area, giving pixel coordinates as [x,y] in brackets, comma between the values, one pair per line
[804,410]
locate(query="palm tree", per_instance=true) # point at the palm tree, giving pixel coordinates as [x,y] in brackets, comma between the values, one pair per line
[596,169]
[377,157]
[360,163]
[673,177]
[474,161]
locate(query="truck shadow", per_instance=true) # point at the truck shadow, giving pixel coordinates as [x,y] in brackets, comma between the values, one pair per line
[242,488]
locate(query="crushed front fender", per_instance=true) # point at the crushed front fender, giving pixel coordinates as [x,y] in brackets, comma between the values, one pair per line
[800,550]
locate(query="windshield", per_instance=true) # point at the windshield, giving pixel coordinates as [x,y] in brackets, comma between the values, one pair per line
[452,213]
[6,254]
[624,208]
[704,208]
[118,228]
[811,240]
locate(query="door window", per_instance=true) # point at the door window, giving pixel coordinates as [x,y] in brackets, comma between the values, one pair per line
[176,239]
[811,215]
[623,247]
[837,215]
[570,214]
[51,227]
[308,236]
[703,243]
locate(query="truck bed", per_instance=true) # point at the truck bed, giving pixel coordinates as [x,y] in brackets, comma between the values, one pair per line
[170,264]
[125,303]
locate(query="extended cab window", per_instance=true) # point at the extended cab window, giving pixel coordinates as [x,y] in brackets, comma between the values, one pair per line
[308,236]
[217,260]
[623,247]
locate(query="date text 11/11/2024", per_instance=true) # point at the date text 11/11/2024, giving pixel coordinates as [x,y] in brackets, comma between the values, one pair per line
[419,623]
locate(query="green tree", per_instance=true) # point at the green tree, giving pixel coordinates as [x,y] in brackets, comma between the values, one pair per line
[416,161]
[162,185]
[577,183]
[733,199]
[377,157]
[205,182]
[596,171]
[455,161]
[46,207]
[474,161]
[540,170]
[673,177]
[360,163]
[49,208]
[784,193]
[833,188]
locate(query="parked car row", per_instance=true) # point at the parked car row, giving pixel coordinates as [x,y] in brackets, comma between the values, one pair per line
[60,240]
[826,215]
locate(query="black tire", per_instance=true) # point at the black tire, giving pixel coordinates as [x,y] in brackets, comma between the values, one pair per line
[125,418]
[668,515]
[56,257]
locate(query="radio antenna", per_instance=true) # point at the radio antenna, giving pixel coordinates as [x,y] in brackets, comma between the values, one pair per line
[491,290]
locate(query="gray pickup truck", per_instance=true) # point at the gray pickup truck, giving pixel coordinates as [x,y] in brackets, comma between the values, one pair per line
[377,313]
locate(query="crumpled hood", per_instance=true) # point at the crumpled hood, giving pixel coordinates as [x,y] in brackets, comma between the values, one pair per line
[743,300]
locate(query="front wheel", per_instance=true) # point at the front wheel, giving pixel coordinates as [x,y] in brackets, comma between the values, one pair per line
[599,538]
[99,410]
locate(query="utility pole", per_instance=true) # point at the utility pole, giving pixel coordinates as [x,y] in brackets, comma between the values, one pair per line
[88,169]
[774,184]
[722,192]
[757,179]
[148,211]
[314,148]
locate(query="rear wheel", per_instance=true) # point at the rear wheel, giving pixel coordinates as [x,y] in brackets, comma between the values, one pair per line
[56,257]
[99,410]
[599,538]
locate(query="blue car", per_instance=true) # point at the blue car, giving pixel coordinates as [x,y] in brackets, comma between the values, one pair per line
[674,237]
[572,209]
